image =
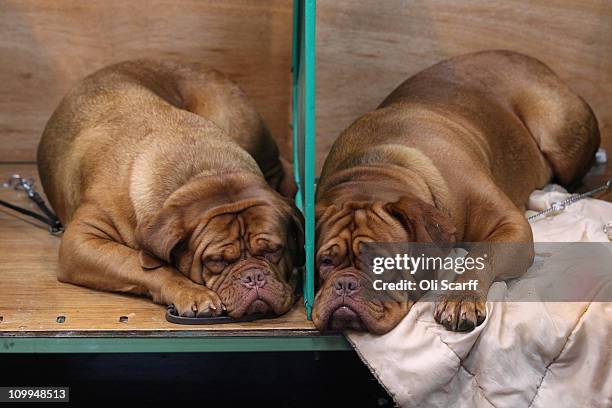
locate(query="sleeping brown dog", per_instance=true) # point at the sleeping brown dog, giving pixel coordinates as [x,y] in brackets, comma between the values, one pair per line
[164,176]
[451,155]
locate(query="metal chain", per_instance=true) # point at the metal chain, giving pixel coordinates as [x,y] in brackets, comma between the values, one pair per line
[557,207]
[19,183]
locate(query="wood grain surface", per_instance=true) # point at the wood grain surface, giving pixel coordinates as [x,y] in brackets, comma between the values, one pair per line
[31,298]
[366,48]
[48,45]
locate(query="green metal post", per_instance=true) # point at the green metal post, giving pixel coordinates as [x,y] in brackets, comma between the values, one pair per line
[303,123]
[295,123]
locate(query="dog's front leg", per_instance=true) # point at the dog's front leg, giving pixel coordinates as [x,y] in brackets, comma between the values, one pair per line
[507,252]
[90,257]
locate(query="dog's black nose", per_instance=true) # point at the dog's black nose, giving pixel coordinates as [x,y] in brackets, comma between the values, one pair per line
[346,285]
[253,278]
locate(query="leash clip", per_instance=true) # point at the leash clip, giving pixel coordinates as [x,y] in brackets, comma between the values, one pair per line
[19,183]
[57,229]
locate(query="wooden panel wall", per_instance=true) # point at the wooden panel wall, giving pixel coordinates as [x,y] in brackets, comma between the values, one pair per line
[366,48]
[47,45]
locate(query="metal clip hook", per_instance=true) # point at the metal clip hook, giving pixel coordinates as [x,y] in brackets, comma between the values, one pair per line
[19,183]
[11,181]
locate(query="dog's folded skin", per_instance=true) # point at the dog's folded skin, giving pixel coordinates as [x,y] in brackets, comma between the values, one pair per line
[450,156]
[158,171]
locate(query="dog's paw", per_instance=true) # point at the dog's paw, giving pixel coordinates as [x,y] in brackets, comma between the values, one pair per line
[195,301]
[460,312]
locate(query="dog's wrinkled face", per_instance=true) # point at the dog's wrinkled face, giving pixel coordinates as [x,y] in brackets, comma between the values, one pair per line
[339,303]
[247,251]
[247,257]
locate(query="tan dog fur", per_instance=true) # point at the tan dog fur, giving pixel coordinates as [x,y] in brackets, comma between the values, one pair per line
[158,171]
[452,154]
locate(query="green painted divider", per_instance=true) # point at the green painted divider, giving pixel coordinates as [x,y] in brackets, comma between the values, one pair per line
[303,125]
[212,344]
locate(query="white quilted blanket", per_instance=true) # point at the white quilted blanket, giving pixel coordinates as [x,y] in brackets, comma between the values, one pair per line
[525,354]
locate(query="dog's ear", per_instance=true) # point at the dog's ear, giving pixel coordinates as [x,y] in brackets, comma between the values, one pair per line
[422,221]
[158,236]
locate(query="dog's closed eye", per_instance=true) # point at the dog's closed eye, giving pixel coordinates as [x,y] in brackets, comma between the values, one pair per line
[216,264]
[273,253]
